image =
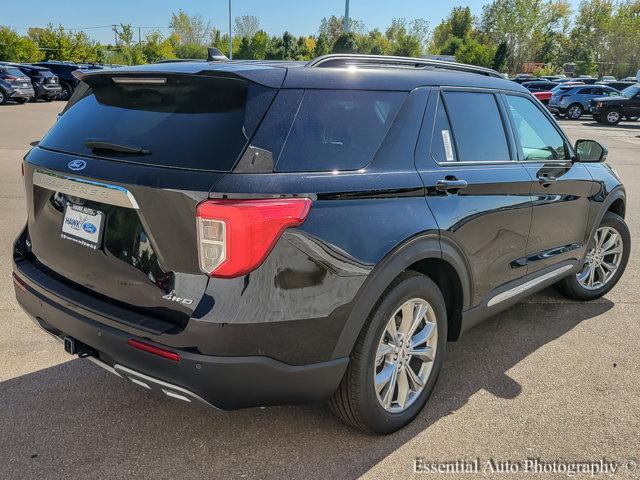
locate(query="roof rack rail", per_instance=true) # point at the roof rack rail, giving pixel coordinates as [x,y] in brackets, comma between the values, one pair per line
[337,60]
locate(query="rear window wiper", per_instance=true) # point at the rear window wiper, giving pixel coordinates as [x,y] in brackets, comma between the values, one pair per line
[95,144]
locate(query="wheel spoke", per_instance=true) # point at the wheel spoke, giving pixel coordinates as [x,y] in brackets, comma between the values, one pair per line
[385,349]
[391,388]
[602,274]
[392,330]
[611,267]
[403,388]
[384,377]
[415,379]
[592,272]
[423,335]
[611,241]
[425,354]
[418,316]
[407,318]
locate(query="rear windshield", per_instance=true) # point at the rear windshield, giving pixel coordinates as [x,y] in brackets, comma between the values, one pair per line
[180,121]
[13,72]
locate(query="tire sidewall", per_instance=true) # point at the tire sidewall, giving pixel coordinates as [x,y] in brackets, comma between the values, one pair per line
[416,286]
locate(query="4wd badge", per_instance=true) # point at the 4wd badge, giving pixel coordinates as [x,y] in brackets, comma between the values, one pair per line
[175,298]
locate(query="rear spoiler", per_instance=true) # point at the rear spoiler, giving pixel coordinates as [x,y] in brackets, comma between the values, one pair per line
[269,76]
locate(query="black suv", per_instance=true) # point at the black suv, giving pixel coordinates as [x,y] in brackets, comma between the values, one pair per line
[610,110]
[45,83]
[257,233]
[64,72]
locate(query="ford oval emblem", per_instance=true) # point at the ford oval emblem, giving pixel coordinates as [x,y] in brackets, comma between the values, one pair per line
[76,165]
[89,227]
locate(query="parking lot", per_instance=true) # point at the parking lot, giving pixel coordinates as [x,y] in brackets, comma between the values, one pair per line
[549,379]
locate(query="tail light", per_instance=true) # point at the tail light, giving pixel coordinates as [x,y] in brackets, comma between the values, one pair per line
[235,236]
[147,347]
[11,78]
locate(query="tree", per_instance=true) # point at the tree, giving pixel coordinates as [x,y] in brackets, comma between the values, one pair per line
[155,48]
[346,43]
[190,30]
[332,27]
[17,48]
[246,26]
[458,24]
[500,57]
[323,46]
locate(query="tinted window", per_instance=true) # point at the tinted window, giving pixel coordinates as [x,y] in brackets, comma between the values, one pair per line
[338,129]
[539,139]
[442,148]
[477,126]
[188,122]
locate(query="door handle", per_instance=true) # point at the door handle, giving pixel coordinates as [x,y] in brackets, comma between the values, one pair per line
[546,180]
[448,185]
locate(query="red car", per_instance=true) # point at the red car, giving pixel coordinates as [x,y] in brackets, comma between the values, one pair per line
[544,97]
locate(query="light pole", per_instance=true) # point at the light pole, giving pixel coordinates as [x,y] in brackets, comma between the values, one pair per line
[345,24]
[230,35]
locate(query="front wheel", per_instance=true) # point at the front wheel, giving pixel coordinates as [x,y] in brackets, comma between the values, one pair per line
[612,116]
[606,260]
[66,92]
[397,358]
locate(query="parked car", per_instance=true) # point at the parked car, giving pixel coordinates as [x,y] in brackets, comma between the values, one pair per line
[523,77]
[572,101]
[586,79]
[618,85]
[608,78]
[14,85]
[64,72]
[45,83]
[540,89]
[245,233]
[629,79]
[611,110]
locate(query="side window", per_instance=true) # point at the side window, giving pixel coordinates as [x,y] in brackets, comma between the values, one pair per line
[476,124]
[338,129]
[539,139]
[442,141]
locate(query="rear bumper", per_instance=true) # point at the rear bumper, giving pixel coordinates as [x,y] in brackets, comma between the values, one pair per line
[558,110]
[226,382]
[48,91]
[21,92]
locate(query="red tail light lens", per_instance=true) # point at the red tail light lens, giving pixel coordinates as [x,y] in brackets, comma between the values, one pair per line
[235,236]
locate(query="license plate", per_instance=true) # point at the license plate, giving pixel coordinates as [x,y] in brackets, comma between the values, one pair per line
[82,225]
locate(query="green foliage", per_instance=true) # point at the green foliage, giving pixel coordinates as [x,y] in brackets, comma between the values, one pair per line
[17,48]
[346,43]
[500,57]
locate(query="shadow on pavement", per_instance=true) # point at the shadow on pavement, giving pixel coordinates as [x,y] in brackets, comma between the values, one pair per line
[76,421]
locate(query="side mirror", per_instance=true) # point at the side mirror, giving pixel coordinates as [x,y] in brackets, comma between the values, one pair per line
[590,151]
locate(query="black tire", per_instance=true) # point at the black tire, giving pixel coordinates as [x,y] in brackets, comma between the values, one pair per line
[609,119]
[572,288]
[66,92]
[48,99]
[3,97]
[21,101]
[574,111]
[597,118]
[355,401]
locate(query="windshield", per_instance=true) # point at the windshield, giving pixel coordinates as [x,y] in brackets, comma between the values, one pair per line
[631,91]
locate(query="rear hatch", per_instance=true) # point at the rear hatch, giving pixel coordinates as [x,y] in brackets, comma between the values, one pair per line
[16,78]
[112,188]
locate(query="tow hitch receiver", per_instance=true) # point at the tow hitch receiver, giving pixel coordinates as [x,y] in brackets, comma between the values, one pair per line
[75,347]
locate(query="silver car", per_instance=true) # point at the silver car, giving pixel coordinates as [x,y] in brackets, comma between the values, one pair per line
[573,100]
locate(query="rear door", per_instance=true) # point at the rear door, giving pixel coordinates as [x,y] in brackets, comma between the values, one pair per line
[560,188]
[477,193]
[112,188]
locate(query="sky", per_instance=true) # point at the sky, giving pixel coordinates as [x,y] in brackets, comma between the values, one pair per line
[301,17]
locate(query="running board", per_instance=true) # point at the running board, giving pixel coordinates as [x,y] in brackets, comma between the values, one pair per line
[519,289]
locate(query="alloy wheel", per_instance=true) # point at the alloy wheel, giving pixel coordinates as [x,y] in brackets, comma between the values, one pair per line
[603,260]
[574,112]
[405,355]
[613,116]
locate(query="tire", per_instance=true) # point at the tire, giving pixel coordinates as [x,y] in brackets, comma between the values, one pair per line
[597,118]
[66,92]
[21,101]
[48,99]
[572,287]
[356,401]
[612,116]
[574,111]
[3,97]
